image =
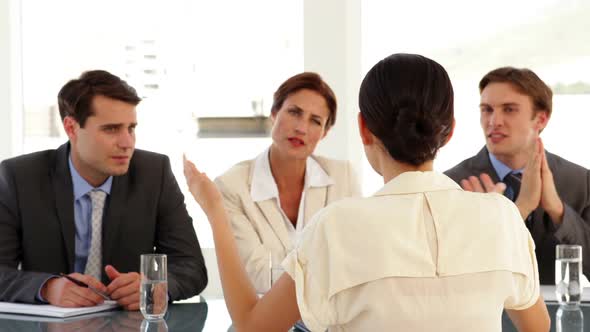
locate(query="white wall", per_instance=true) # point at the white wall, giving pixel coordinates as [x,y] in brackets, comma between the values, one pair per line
[332,47]
[11,126]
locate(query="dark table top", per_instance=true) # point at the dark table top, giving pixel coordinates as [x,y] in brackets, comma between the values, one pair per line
[552,307]
[179,317]
[202,316]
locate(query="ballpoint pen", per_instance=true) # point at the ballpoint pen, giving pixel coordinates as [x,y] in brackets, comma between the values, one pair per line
[83,284]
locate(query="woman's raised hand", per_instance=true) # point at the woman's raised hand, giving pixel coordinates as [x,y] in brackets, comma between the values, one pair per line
[202,188]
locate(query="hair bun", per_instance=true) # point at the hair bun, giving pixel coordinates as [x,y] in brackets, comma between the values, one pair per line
[416,128]
[406,101]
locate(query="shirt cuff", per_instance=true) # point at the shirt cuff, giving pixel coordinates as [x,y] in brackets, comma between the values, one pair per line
[40,298]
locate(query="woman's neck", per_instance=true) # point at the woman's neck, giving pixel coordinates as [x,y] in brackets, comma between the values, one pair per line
[392,168]
[287,172]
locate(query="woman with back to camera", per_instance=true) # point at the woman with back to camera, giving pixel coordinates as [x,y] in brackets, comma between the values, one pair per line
[419,255]
[271,198]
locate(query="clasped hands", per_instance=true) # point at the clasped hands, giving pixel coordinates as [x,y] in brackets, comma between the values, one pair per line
[123,288]
[537,186]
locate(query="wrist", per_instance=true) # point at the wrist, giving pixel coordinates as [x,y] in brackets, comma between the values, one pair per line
[216,215]
[524,209]
[215,207]
[556,212]
[44,292]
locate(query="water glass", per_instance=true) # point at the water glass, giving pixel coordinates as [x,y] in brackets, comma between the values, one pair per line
[153,300]
[569,318]
[154,326]
[568,273]
[276,270]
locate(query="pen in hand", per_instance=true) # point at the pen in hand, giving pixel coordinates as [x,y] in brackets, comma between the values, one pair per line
[83,284]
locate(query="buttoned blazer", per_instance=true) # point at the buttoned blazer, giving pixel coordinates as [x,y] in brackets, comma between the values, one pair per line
[145,212]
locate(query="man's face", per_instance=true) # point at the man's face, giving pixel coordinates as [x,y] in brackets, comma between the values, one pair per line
[509,123]
[106,143]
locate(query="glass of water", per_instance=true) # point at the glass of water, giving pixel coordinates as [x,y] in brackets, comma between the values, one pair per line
[276,269]
[153,300]
[569,318]
[568,274]
[154,326]
[273,272]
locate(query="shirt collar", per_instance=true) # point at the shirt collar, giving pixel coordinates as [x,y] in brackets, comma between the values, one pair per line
[264,187]
[417,182]
[82,187]
[501,169]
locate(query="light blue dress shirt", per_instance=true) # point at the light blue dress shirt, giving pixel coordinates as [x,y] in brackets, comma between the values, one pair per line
[82,219]
[502,170]
[83,214]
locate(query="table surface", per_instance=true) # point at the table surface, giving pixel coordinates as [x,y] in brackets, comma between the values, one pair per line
[192,315]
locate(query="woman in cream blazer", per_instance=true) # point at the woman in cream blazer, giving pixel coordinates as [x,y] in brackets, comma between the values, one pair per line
[419,255]
[271,198]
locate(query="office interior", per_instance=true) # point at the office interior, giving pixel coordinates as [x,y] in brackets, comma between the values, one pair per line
[197,59]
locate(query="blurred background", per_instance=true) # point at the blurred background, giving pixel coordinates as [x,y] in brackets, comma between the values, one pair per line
[221,61]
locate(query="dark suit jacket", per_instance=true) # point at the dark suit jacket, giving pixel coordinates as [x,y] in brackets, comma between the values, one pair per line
[145,212]
[573,186]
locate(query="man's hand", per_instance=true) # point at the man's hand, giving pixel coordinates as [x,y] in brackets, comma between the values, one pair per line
[550,200]
[486,185]
[124,288]
[64,293]
[529,197]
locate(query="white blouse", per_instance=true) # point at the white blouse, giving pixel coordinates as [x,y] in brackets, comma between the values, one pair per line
[264,187]
[419,255]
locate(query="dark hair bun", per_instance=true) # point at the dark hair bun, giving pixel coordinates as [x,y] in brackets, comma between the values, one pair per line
[407,102]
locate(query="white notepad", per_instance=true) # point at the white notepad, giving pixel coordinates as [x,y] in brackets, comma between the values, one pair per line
[49,310]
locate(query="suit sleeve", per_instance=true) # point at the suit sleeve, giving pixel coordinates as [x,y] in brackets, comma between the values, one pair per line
[575,227]
[15,285]
[253,254]
[175,237]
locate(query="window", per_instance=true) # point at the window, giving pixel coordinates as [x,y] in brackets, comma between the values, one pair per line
[470,38]
[187,59]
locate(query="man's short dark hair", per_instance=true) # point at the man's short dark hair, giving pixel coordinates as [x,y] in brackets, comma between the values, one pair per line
[75,97]
[524,81]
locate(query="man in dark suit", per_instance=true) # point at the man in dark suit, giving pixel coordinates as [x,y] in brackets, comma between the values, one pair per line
[552,194]
[92,207]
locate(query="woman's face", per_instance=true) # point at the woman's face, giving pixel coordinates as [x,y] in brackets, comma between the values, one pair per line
[300,124]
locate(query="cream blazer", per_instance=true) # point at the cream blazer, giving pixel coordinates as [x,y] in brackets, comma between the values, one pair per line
[259,227]
[419,255]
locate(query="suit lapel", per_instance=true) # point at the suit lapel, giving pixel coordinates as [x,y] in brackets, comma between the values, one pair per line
[315,199]
[64,202]
[481,164]
[275,219]
[270,210]
[114,213]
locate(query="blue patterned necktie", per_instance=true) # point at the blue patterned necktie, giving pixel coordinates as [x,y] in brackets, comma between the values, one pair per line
[512,181]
